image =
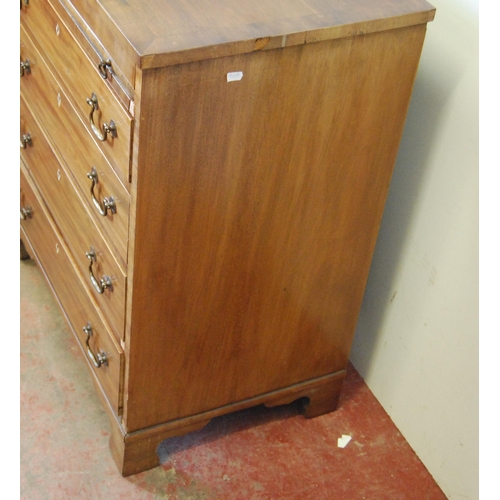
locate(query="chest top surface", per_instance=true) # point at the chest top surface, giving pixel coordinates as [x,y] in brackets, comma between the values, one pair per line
[156,28]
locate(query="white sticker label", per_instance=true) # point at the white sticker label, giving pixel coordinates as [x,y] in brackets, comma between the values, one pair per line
[235,76]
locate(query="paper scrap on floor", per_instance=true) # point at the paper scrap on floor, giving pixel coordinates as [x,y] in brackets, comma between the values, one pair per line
[343,441]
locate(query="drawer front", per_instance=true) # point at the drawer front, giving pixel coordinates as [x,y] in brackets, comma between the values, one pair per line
[92,98]
[79,231]
[78,306]
[97,35]
[81,160]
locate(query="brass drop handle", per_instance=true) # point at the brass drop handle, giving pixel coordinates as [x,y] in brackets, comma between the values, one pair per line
[107,129]
[103,67]
[26,213]
[105,281]
[26,141]
[107,203]
[100,358]
[25,67]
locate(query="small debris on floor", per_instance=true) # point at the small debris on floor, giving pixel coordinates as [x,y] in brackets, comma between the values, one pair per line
[343,441]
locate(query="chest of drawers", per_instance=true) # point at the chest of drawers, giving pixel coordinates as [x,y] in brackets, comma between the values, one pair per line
[202,186]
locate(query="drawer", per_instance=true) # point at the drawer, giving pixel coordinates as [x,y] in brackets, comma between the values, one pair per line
[124,57]
[98,36]
[79,308]
[104,277]
[81,159]
[103,115]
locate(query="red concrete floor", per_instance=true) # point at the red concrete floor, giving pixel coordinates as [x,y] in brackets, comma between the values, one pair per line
[256,454]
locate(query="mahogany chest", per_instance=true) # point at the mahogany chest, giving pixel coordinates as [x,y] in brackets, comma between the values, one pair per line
[202,186]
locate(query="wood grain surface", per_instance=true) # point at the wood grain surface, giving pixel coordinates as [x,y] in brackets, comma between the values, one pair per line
[264,197]
[93,28]
[65,204]
[80,79]
[166,32]
[79,156]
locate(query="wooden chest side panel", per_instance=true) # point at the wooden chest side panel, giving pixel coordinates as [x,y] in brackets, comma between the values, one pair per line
[258,206]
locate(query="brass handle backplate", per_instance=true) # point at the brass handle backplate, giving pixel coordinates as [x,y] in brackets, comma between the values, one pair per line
[26,141]
[104,282]
[107,128]
[107,203]
[26,213]
[25,67]
[99,359]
